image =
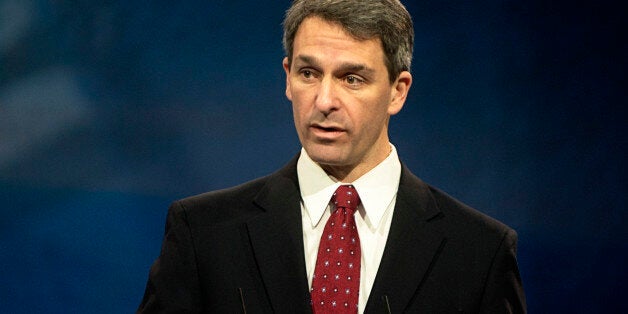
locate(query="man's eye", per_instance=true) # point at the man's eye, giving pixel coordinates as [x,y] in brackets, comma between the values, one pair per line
[306,73]
[353,80]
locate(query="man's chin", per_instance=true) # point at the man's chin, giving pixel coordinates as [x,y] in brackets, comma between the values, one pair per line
[326,156]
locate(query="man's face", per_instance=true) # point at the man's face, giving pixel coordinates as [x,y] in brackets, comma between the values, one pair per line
[342,98]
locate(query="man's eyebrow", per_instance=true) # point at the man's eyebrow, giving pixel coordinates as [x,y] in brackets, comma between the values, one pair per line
[355,67]
[344,67]
[307,59]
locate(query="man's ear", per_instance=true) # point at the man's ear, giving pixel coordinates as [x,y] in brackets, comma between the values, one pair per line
[399,92]
[286,68]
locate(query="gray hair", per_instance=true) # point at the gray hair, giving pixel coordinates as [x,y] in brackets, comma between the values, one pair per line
[387,20]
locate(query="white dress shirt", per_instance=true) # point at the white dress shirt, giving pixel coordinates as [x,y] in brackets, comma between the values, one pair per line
[377,190]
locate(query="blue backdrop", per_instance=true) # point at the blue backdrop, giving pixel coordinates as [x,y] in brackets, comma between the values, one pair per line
[110,110]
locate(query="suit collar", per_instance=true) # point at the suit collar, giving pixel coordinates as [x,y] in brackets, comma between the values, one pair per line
[413,245]
[277,240]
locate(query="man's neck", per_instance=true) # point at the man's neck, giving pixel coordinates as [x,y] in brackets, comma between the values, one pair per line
[350,173]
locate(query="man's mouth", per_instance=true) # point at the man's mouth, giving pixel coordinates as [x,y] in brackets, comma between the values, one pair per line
[326,131]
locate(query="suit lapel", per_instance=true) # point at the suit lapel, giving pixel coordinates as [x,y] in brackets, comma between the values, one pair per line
[412,247]
[277,240]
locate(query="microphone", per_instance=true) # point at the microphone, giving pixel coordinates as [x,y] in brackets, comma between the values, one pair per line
[242,300]
[385,297]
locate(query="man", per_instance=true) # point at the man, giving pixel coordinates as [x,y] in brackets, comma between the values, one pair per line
[295,241]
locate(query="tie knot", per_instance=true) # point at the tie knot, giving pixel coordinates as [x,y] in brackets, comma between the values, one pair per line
[347,197]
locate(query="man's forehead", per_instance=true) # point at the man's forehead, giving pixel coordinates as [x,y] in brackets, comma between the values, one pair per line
[317,31]
[313,18]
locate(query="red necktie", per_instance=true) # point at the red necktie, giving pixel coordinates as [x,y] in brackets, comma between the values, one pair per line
[336,281]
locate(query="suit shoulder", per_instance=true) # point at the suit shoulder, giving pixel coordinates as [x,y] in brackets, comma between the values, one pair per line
[245,190]
[457,215]
[222,205]
[469,218]
[237,203]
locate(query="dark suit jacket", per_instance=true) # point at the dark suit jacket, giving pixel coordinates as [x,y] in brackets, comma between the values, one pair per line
[242,248]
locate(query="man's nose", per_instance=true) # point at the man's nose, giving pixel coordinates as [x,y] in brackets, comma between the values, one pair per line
[326,97]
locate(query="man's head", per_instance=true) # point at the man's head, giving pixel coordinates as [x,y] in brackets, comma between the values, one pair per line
[387,20]
[342,82]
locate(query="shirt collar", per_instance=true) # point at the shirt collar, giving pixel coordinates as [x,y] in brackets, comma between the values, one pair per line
[377,188]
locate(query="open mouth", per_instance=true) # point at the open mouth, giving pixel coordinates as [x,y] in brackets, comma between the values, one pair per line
[326,131]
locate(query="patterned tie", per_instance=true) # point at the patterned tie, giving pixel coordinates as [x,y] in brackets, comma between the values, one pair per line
[336,281]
